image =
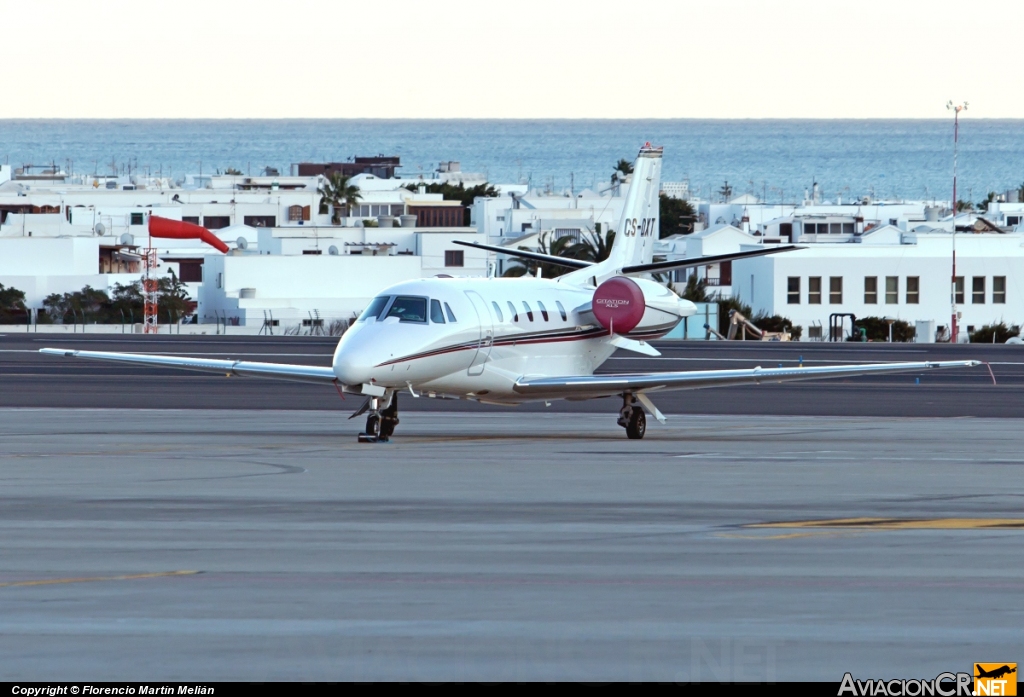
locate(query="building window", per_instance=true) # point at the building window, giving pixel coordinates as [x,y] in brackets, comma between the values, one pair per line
[190,271]
[814,332]
[1013,220]
[978,290]
[959,292]
[137,219]
[848,228]
[913,290]
[814,290]
[793,290]
[999,290]
[835,290]
[218,222]
[454,258]
[871,290]
[512,309]
[313,252]
[260,220]
[194,219]
[892,290]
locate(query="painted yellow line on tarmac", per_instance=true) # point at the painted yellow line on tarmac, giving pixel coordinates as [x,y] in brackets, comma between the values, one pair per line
[902,523]
[784,536]
[93,579]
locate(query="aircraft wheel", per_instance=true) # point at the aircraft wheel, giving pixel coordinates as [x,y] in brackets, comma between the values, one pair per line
[637,425]
[373,425]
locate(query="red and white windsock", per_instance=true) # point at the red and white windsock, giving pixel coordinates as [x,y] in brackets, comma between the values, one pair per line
[178,230]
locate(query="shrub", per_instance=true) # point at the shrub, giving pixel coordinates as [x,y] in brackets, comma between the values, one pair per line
[994,333]
[877,329]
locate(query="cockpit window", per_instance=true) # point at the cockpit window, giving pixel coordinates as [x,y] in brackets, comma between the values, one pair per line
[375,307]
[512,309]
[409,309]
[561,310]
[529,310]
[436,313]
[451,315]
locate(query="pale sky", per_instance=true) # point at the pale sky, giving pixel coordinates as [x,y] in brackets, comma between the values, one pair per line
[523,59]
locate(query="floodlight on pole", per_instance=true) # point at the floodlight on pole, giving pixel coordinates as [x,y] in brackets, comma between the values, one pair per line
[956,109]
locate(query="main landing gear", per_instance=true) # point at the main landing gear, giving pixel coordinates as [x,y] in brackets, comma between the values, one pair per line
[632,418]
[380,424]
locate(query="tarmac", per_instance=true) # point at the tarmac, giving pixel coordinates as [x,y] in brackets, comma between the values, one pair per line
[266,544]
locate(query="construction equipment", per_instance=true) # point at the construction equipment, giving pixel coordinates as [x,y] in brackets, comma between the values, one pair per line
[739,324]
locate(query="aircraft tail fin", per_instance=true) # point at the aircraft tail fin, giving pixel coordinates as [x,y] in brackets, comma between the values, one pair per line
[638,227]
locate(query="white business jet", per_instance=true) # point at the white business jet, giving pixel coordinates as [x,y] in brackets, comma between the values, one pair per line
[513,340]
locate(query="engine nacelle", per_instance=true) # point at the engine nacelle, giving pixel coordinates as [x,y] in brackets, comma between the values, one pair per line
[623,305]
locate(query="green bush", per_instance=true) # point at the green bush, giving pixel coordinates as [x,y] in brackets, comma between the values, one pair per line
[877,329]
[994,333]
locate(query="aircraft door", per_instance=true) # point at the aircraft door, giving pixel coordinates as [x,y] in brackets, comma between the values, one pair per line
[486,324]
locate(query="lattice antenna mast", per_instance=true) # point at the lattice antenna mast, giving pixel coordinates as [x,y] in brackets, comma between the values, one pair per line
[150,285]
[956,108]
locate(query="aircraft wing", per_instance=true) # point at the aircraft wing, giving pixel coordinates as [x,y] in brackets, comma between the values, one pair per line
[587,386]
[281,371]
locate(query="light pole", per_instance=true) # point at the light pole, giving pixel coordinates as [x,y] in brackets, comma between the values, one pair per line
[956,108]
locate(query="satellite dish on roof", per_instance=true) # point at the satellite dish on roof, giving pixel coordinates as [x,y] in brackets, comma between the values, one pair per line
[332,250]
[127,238]
[242,243]
[100,228]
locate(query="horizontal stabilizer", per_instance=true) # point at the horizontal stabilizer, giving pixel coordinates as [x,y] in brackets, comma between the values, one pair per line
[704,261]
[535,256]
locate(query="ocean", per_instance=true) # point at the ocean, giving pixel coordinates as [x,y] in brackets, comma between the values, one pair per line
[774,159]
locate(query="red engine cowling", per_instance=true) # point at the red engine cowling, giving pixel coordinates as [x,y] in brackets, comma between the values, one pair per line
[619,305]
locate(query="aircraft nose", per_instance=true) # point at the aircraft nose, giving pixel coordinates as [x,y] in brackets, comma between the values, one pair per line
[353,367]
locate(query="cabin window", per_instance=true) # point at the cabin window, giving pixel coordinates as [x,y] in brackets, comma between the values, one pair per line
[436,313]
[375,307]
[512,310]
[561,310]
[409,309]
[529,310]
[543,310]
[497,311]
[451,315]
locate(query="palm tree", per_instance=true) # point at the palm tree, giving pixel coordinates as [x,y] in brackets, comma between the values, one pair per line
[623,168]
[593,246]
[561,247]
[338,193]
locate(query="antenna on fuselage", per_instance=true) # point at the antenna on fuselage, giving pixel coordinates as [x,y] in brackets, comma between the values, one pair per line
[538,272]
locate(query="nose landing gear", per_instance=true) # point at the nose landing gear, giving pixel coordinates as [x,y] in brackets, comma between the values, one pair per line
[632,418]
[381,423]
